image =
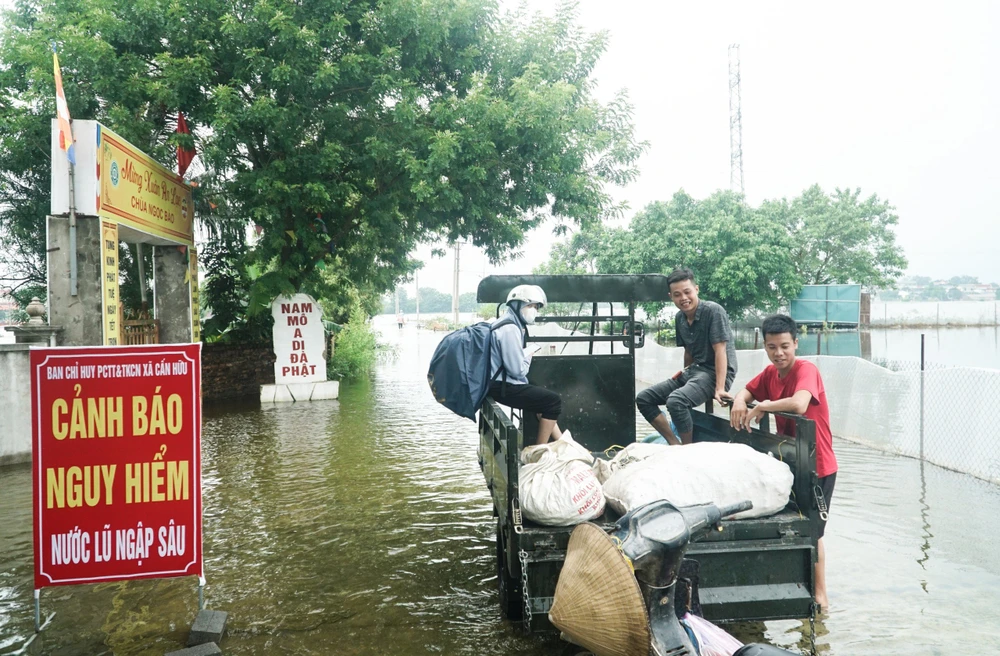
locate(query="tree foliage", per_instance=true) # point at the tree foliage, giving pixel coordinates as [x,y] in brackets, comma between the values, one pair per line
[577,254]
[737,259]
[431,301]
[841,238]
[349,131]
[746,258]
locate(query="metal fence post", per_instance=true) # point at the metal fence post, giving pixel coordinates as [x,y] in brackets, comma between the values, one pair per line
[921,396]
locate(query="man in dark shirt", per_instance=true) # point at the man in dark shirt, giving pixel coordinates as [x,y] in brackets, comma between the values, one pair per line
[709,361]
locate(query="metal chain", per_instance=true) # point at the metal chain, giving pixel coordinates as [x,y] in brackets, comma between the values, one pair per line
[812,629]
[823,515]
[523,557]
[821,502]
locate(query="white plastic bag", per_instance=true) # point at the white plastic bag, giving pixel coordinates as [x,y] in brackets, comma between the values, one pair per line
[565,448]
[558,492]
[708,472]
[712,641]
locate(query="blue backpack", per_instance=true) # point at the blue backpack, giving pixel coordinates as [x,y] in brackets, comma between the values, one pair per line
[459,374]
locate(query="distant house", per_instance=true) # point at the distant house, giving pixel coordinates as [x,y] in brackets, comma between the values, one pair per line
[977,292]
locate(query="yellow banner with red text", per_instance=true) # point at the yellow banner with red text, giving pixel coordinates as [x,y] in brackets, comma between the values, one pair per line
[138,192]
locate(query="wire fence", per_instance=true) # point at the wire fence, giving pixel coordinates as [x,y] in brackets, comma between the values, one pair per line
[943,415]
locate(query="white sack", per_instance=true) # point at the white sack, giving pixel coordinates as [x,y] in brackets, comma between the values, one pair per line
[707,472]
[564,449]
[604,469]
[560,492]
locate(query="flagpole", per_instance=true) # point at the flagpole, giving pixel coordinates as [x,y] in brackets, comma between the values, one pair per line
[66,143]
[72,229]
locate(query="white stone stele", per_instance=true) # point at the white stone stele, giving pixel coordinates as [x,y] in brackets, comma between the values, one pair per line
[322,391]
[298,340]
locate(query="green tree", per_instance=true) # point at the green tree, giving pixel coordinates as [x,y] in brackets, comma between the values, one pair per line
[227,292]
[935,293]
[432,300]
[841,238]
[348,130]
[577,253]
[743,257]
[739,255]
[964,280]
[467,302]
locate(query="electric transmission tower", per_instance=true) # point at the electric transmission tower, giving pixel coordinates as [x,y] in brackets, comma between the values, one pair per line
[735,122]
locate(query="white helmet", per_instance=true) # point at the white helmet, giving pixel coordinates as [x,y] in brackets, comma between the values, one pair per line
[528,294]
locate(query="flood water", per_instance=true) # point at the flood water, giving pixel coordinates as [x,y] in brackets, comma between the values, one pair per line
[363,526]
[968,346]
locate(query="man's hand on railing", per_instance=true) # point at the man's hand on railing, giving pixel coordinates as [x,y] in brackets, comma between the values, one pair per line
[740,414]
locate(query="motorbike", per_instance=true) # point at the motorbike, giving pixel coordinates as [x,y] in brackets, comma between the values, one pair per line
[653,540]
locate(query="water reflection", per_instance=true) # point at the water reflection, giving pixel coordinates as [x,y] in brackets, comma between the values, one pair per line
[362,526]
[925,548]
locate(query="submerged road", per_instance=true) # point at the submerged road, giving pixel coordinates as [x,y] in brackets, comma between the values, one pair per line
[363,526]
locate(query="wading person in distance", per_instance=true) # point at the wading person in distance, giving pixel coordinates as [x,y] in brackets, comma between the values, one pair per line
[709,361]
[507,350]
[792,385]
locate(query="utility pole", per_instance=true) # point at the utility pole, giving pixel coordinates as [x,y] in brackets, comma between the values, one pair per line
[454,286]
[416,281]
[735,122]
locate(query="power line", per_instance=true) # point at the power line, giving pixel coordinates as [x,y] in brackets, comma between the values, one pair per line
[735,122]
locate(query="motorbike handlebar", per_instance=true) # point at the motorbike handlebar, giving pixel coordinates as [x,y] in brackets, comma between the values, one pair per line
[726,511]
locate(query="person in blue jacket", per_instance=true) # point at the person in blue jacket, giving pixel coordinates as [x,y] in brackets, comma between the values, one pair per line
[507,349]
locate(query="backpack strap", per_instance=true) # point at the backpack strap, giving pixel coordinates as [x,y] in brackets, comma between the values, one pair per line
[506,321]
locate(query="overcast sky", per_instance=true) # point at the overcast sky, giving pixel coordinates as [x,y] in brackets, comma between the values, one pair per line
[900,99]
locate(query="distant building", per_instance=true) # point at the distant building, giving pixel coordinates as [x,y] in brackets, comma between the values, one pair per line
[977,292]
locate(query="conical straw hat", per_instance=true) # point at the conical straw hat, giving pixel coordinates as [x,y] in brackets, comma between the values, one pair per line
[598,604]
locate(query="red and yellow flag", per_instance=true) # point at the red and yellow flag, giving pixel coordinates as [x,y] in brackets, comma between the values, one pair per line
[62,113]
[184,155]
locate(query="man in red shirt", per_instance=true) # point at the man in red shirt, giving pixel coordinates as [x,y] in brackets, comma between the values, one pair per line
[794,386]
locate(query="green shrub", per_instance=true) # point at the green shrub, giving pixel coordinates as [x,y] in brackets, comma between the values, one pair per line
[666,336]
[487,311]
[356,350]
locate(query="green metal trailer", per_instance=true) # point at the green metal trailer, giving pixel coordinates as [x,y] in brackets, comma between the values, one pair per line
[753,569]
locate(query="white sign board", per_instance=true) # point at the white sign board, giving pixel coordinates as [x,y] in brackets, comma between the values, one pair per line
[298,340]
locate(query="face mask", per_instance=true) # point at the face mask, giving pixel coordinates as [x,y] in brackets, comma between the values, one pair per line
[529,314]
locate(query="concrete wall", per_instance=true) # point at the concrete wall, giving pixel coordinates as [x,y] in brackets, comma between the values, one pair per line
[931,313]
[79,316]
[15,408]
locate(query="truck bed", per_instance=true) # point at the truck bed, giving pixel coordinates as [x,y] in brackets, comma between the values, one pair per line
[753,569]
